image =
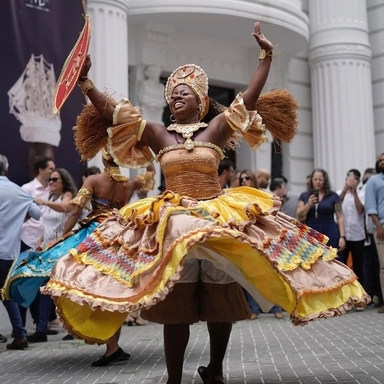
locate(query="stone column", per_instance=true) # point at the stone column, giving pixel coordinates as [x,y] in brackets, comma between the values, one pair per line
[340,60]
[109,49]
[150,55]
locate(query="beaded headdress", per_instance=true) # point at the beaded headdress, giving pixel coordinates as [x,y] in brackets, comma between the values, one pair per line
[193,76]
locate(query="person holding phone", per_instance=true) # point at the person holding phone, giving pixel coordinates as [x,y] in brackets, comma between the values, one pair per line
[318,208]
[352,203]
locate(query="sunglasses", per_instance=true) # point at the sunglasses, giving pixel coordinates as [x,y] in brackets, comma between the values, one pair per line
[54,179]
[245,178]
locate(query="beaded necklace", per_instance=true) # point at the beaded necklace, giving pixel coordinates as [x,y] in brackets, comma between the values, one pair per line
[187,131]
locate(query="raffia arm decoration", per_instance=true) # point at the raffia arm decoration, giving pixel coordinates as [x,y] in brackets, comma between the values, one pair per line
[278,108]
[90,131]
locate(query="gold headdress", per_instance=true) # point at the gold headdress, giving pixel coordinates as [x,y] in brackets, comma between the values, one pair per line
[193,76]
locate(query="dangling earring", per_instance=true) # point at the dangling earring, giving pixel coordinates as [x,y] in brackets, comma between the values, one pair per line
[172,118]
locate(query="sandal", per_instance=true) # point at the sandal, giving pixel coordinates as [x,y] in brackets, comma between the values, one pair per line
[203,372]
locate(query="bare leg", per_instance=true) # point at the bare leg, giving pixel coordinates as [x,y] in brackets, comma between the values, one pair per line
[113,343]
[219,334]
[135,318]
[176,337]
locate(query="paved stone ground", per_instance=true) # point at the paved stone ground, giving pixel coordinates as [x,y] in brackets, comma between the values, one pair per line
[349,349]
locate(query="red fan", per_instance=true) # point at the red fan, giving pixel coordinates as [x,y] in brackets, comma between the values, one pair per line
[72,66]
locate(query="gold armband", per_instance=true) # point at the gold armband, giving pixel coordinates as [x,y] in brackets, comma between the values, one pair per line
[86,86]
[264,54]
[83,198]
[147,180]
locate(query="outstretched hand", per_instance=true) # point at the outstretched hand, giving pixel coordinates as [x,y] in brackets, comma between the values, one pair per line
[86,67]
[263,42]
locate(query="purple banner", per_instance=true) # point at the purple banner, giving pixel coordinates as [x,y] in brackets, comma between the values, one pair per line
[37,36]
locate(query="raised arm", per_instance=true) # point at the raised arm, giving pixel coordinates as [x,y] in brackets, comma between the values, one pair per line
[259,78]
[97,98]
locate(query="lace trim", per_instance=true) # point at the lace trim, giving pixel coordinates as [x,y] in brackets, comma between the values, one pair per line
[117,110]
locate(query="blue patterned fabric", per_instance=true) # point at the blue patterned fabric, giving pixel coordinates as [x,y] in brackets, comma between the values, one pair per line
[32,269]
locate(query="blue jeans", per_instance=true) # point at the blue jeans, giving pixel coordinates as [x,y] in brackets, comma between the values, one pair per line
[255,308]
[45,306]
[18,330]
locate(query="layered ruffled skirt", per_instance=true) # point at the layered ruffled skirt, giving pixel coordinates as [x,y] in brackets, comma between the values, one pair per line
[133,259]
[32,269]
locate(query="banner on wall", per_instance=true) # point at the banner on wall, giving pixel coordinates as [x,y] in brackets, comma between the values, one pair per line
[37,37]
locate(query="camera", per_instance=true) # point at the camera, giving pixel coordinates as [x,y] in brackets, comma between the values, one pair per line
[314,192]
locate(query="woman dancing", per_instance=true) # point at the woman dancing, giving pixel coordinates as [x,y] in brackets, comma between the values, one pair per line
[181,255]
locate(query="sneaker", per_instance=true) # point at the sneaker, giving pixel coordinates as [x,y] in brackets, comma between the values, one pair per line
[68,337]
[3,339]
[37,337]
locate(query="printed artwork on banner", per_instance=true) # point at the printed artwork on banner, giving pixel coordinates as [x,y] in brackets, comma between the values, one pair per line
[39,36]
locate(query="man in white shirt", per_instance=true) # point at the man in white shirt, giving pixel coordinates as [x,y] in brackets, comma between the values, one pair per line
[352,203]
[33,229]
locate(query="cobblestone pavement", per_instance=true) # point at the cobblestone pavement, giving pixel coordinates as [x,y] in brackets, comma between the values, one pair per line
[349,349]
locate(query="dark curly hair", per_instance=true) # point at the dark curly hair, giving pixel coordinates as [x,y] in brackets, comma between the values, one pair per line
[327,184]
[68,183]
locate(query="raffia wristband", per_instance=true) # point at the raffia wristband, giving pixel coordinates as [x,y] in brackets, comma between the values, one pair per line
[86,86]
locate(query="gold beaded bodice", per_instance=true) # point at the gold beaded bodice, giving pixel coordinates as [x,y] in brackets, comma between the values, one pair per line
[192,173]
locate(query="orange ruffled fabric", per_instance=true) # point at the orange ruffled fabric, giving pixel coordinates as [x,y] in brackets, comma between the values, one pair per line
[133,260]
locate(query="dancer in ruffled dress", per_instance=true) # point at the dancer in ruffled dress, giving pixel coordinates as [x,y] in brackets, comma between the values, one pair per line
[168,253]
[99,195]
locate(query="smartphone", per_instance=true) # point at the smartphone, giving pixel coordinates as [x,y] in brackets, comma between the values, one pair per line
[314,192]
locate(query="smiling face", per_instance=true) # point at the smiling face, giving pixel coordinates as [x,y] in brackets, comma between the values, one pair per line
[55,183]
[184,105]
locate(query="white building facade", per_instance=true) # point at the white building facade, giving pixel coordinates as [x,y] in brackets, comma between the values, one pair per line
[330,55]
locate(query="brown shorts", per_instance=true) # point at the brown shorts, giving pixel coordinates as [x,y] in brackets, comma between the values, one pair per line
[204,293]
